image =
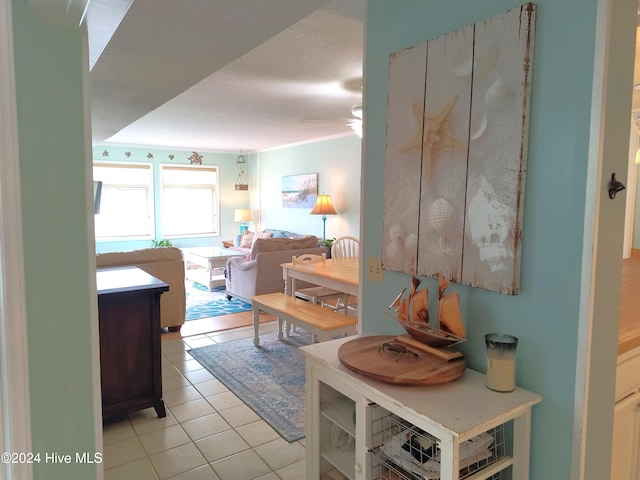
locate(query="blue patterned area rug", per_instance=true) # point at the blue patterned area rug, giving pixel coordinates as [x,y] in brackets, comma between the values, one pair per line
[202,303]
[270,379]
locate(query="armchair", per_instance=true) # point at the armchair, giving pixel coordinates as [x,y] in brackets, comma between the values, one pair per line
[263,273]
[166,264]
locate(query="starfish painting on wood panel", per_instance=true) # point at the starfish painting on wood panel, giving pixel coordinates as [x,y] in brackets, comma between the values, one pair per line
[456,153]
[434,135]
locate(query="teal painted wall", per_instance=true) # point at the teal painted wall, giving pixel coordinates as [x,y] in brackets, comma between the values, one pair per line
[49,72]
[544,315]
[336,161]
[546,312]
[230,198]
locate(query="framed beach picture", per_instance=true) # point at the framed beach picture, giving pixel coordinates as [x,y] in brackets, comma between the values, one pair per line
[299,191]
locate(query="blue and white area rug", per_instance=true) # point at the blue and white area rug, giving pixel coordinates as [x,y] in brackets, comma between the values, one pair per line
[202,303]
[270,379]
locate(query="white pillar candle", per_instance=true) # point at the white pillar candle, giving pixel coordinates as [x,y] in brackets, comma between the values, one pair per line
[501,362]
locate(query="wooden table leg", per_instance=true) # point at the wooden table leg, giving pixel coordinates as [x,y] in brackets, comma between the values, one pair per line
[279,328]
[256,323]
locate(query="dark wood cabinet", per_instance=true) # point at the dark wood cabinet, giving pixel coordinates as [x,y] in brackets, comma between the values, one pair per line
[130,358]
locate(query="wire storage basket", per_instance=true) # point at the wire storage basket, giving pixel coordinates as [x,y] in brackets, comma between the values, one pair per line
[402,451]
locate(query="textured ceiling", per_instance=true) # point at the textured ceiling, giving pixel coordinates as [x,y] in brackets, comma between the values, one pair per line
[225,75]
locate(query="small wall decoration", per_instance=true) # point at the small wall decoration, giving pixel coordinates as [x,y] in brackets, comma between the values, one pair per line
[299,191]
[455,167]
[242,182]
[195,158]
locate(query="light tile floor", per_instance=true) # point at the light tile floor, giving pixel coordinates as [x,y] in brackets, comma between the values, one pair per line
[208,433]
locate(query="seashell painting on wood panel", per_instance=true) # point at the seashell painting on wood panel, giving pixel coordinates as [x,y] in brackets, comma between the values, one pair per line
[455,166]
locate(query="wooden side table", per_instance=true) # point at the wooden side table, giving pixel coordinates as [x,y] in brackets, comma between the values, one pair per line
[130,358]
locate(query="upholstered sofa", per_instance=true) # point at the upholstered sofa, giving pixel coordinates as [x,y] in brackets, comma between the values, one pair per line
[263,273]
[244,241]
[164,263]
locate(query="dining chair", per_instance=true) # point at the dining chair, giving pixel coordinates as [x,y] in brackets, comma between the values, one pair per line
[346,246]
[318,294]
[342,247]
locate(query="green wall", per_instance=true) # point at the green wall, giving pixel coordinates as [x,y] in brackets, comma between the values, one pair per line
[230,198]
[545,315]
[336,161]
[49,73]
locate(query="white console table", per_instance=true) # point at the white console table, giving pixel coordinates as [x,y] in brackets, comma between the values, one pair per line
[351,420]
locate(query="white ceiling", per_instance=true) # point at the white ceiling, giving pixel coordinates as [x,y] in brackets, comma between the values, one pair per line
[224,75]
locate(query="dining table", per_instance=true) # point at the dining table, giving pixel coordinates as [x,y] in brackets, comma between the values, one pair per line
[340,274]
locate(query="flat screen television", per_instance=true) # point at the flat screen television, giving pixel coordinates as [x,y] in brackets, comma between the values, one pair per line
[97,194]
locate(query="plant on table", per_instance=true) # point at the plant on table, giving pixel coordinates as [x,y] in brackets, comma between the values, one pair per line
[161,243]
[328,242]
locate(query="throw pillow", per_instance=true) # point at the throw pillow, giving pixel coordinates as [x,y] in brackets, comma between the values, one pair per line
[258,235]
[247,239]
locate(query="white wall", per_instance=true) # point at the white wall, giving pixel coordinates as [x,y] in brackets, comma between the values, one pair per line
[337,163]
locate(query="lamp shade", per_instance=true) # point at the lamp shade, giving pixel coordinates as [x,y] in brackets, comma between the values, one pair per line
[323,206]
[242,215]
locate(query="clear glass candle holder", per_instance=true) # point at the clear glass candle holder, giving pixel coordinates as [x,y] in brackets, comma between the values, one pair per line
[501,362]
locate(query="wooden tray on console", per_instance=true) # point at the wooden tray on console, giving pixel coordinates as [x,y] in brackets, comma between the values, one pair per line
[362,356]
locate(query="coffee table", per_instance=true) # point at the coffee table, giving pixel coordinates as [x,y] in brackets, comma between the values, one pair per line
[213,260]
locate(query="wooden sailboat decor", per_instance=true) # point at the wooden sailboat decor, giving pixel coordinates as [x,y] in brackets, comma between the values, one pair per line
[413,314]
[424,356]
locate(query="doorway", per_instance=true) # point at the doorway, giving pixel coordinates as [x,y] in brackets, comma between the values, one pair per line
[632,224]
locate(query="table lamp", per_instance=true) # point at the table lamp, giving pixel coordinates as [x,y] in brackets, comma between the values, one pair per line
[242,215]
[323,207]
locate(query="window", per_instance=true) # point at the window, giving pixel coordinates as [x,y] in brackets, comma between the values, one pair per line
[126,206]
[190,201]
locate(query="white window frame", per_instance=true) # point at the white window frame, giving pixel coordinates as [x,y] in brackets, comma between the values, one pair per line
[215,207]
[150,205]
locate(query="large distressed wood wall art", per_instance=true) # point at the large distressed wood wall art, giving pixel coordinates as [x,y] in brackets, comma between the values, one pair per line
[457,125]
